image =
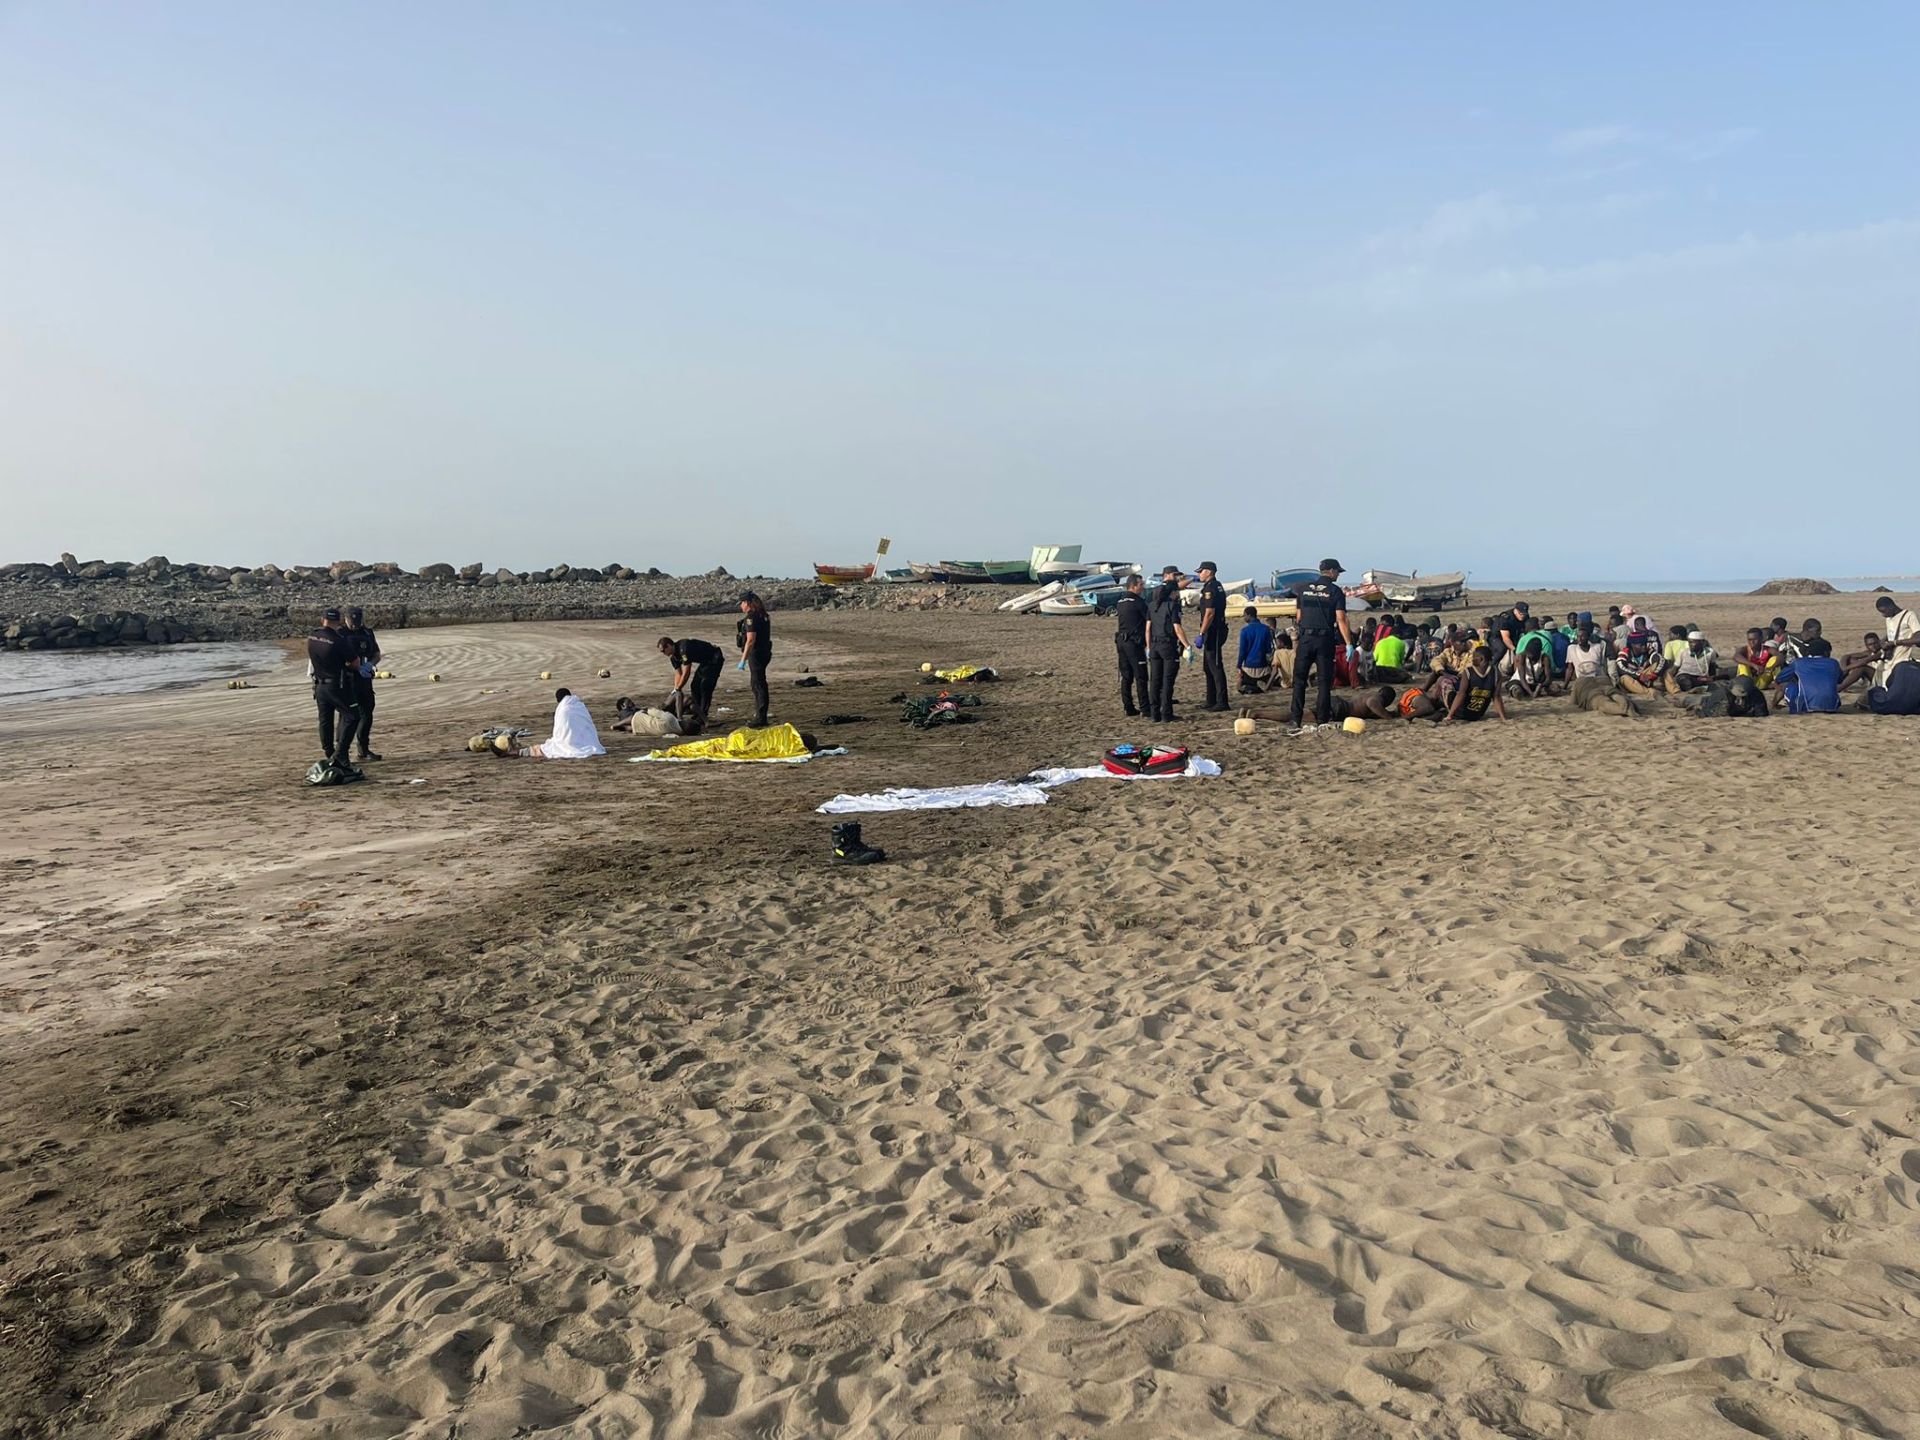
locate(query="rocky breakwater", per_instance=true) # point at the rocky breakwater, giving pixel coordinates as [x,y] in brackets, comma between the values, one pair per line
[85,604]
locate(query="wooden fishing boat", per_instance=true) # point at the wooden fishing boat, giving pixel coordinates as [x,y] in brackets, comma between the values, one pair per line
[962,572]
[842,574]
[1417,591]
[1009,572]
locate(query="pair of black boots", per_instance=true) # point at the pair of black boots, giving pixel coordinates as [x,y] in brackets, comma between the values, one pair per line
[850,849]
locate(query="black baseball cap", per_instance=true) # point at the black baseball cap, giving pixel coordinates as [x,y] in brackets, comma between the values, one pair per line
[1169,569]
[1206,565]
[330,613]
[1333,565]
[355,613]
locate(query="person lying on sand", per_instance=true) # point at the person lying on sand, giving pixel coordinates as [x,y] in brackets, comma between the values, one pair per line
[1600,695]
[573,738]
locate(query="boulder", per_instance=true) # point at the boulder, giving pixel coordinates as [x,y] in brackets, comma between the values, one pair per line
[473,571]
[585,572]
[96,570]
[440,572]
[219,574]
[1799,586]
[719,572]
[155,564]
[505,576]
[391,569]
[364,577]
[68,563]
[340,568]
[560,572]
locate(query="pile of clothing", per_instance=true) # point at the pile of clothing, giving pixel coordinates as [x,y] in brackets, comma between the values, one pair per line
[946,708]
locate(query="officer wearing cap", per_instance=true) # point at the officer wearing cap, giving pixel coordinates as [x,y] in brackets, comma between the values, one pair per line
[1130,645]
[330,654]
[366,647]
[755,633]
[1166,638]
[1212,634]
[1323,621]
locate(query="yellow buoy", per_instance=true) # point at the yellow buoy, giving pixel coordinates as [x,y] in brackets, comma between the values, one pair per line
[1354,725]
[1243,726]
[926,667]
[477,744]
[503,743]
[546,674]
[383,675]
[433,675]
[238,685]
[604,674]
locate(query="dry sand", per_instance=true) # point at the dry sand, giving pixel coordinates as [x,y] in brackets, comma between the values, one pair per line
[1540,1080]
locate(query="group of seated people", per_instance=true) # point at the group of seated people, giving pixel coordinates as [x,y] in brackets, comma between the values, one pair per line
[1603,664]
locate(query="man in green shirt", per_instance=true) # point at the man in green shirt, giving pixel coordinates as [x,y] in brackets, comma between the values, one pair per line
[1390,658]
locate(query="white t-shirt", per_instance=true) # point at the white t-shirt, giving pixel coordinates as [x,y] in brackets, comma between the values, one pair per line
[1587,660]
[1901,625]
[1699,666]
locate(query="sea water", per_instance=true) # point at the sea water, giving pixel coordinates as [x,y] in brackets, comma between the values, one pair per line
[27,675]
[1686,587]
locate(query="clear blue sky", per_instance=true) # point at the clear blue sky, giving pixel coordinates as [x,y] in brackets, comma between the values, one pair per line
[1628,292]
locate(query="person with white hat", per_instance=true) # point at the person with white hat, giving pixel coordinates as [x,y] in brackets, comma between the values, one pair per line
[1699,665]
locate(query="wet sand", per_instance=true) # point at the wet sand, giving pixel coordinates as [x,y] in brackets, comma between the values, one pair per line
[1549,1079]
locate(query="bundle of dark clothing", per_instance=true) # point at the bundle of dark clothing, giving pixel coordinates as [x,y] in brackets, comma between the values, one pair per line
[942,709]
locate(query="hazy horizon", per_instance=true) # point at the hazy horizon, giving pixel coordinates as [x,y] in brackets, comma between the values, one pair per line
[1502,289]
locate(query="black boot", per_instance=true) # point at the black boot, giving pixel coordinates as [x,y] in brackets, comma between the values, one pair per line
[849,848]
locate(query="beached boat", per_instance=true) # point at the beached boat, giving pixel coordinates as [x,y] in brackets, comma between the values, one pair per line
[1020,604]
[1078,603]
[1056,562]
[1191,595]
[843,574]
[900,576]
[1009,572]
[926,574]
[1418,591]
[1285,580]
[962,572]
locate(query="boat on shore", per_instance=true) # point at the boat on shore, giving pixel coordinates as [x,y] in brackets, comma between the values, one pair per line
[1416,591]
[842,574]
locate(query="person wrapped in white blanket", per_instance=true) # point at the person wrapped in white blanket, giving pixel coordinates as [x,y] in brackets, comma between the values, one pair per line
[574,736]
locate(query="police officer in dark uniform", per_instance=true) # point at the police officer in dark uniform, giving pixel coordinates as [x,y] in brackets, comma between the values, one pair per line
[1213,634]
[1166,638]
[696,670]
[331,653]
[756,649]
[367,649]
[1130,641]
[1323,621]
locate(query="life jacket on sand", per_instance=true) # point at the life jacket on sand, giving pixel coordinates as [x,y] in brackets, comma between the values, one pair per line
[1146,759]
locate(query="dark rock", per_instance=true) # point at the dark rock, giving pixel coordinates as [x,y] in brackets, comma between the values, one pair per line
[560,572]
[441,572]
[391,569]
[473,571]
[506,577]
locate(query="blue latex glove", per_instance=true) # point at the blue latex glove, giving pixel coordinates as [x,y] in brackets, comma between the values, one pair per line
[741,666]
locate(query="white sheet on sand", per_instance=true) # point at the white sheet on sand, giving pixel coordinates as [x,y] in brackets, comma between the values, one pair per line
[574,737]
[1009,793]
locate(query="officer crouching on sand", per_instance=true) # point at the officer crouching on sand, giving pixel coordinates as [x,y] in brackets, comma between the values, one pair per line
[1130,641]
[331,653]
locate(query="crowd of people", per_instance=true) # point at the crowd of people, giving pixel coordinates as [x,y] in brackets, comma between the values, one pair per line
[1452,672]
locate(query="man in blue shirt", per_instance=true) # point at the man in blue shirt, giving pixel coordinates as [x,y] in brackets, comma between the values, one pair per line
[1255,661]
[1812,682]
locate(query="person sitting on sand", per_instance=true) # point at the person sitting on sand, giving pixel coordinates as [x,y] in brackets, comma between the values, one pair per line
[1533,663]
[1254,661]
[1903,635]
[1479,690]
[573,738]
[1698,665]
[1675,647]
[1781,641]
[1898,693]
[1639,669]
[1758,659]
[1862,664]
[1586,654]
[1389,655]
[1812,683]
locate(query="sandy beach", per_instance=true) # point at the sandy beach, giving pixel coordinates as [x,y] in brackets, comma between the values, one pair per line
[1554,1079]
